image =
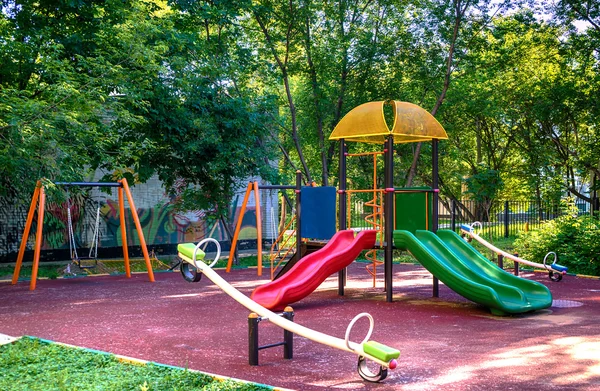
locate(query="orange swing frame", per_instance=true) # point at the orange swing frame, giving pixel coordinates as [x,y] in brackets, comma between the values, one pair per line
[38,202]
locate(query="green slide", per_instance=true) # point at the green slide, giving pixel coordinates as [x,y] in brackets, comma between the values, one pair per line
[463,269]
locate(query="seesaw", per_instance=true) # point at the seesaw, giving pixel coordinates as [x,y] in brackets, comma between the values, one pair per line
[555,271]
[193,267]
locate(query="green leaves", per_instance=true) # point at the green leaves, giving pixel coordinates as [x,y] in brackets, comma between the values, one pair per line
[575,239]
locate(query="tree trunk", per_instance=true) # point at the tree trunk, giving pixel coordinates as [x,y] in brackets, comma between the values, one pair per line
[459,13]
[316,94]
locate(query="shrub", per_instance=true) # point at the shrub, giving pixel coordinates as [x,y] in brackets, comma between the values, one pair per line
[575,239]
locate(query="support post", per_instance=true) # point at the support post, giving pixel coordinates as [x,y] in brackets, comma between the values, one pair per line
[298,214]
[138,227]
[288,336]
[435,182]
[500,261]
[32,207]
[506,214]
[124,232]
[453,215]
[254,347]
[516,265]
[253,320]
[238,227]
[342,199]
[389,218]
[38,239]
[258,229]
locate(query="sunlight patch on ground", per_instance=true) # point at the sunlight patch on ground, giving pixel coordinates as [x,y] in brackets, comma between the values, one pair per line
[578,358]
[182,295]
[97,301]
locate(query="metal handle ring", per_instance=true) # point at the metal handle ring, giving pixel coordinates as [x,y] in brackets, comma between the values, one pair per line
[349,328]
[200,243]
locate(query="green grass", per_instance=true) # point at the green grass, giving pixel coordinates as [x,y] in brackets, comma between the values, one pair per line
[44,271]
[245,262]
[30,364]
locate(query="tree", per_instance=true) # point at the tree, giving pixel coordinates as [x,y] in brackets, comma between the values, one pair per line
[206,117]
[65,64]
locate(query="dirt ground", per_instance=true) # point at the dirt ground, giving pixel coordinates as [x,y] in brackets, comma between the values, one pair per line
[446,343]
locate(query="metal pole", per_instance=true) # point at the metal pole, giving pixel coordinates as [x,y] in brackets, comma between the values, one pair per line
[38,239]
[453,214]
[298,214]
[124,232]
[276,187]
[435,183]
[506,219]
[389,218]
[258,213]
[288,336]
[253,338]
[342,199]
[29,221]
[138,227]
[89,184]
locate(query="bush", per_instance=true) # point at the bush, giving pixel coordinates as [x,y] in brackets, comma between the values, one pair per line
[575,240]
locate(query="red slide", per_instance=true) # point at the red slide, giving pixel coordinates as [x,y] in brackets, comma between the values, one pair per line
[313,269]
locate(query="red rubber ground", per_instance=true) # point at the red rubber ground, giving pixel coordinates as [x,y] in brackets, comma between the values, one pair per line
[447,343]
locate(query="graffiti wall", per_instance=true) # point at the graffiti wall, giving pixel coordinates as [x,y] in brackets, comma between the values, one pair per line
[163,227]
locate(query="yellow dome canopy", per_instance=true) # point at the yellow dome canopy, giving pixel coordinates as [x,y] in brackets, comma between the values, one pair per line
[366,123]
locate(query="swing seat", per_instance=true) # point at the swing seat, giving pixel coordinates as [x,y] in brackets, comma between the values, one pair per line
[77,261]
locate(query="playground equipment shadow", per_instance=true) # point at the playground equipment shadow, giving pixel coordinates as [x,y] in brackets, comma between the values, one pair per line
[446,343]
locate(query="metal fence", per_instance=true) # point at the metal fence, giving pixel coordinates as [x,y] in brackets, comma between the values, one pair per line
[503,218]
[500,218]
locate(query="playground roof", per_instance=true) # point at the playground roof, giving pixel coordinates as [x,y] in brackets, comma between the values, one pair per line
[366,123]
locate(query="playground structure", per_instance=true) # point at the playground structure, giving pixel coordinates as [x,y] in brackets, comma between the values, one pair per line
[383,355]
[375,219]
[314,220]
[411,215]
[366,123]
[38,202]
[407,219]
[310,271]
[254,188]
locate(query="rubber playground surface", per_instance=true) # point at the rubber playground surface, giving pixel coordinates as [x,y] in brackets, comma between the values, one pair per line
[446,343]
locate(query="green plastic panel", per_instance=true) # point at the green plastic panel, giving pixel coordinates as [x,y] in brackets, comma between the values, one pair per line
[414,209]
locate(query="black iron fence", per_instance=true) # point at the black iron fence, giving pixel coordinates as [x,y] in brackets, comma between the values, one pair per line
[499,218]
[504,218]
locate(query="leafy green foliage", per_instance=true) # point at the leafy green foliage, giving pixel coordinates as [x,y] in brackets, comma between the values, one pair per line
[575,239]
[30,364]
[484,185]
[65,66]
[208,92]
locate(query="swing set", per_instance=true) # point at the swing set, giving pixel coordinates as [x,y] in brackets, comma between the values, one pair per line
[254,188]
[93,253]
[38,202]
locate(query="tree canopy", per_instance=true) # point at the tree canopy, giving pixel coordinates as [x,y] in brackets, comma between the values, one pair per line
[206,93]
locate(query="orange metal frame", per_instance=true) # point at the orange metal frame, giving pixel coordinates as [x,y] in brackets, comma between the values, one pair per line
[38,201]
[252,187]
